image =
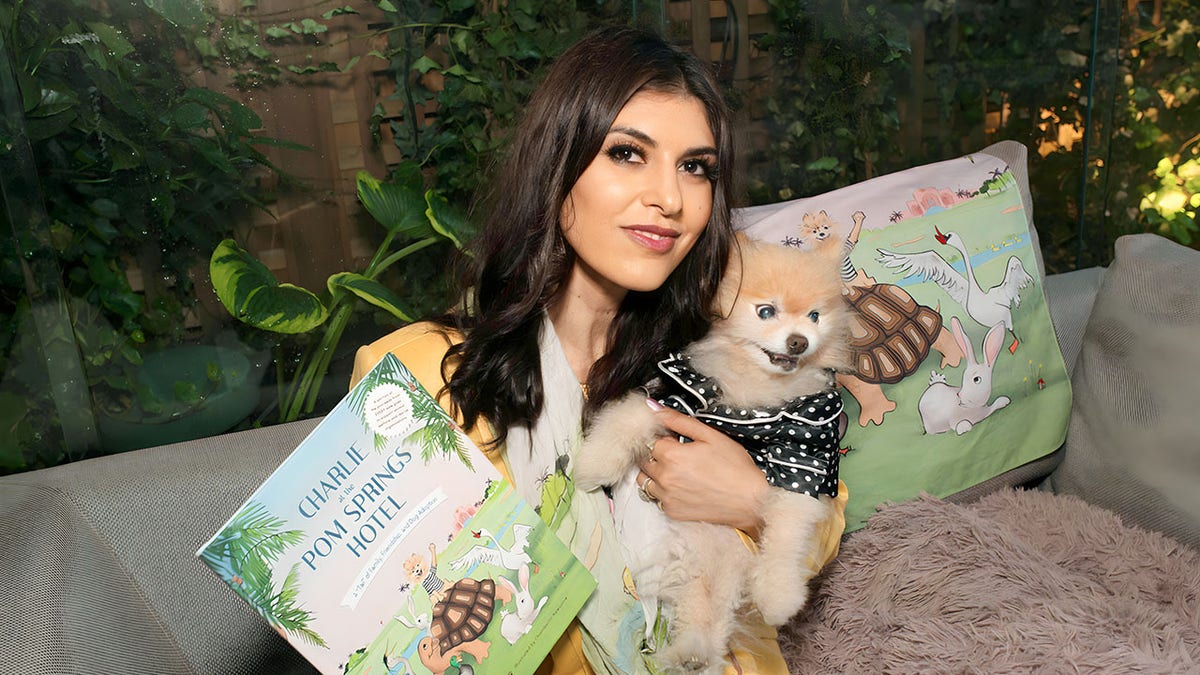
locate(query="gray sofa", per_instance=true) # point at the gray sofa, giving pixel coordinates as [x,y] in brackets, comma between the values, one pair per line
[98,572]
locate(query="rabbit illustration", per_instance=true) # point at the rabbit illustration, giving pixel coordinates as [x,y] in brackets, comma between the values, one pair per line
[411,619]
[516,623]
[944,407]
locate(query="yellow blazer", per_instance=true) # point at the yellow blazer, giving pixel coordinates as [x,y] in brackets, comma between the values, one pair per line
[421,347]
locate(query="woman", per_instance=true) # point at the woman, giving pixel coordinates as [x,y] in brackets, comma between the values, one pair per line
[608,228]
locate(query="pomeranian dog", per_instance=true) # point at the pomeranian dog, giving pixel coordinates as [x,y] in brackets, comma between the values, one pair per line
[764,376]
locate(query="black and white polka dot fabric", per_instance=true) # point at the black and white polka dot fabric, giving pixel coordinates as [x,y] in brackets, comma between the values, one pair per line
[795,445]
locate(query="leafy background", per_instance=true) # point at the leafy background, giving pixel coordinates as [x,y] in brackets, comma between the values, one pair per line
[138,124]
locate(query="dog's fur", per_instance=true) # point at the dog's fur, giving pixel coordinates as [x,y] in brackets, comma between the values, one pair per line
[703,572]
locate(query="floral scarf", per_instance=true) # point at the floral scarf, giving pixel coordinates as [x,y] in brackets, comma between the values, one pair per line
[539,459]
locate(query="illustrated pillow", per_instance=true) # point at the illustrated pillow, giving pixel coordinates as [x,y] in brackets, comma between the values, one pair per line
[959,374]
[1132,446]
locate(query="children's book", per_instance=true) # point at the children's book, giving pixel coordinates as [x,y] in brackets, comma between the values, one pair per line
[388,543]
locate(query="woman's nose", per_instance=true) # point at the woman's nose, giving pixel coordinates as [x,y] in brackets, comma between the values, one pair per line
[663,191]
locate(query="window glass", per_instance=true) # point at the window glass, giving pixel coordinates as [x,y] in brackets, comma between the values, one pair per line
[309,169]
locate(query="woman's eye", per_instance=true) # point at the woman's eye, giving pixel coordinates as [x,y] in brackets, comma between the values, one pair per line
[765,311]
[698,167]
[624,153]
[814,315]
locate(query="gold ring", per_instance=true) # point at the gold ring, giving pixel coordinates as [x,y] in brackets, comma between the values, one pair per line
[650,447]
[644,493]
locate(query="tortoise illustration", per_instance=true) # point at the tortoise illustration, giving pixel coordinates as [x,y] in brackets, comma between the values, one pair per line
[458,620]
[890,338]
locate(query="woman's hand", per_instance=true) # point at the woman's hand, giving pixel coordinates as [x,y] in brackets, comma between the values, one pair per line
[712,479]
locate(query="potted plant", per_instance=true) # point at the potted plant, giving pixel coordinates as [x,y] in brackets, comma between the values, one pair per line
[412,218]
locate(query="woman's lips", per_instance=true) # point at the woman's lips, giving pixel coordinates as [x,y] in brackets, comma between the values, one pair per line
[657,239]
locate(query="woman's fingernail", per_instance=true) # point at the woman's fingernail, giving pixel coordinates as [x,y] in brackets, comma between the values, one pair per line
[654,405]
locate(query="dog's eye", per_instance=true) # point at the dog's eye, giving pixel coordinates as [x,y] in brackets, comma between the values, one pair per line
[765,311]
[814,315]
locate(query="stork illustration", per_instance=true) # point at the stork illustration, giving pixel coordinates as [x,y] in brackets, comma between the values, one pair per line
[985,307]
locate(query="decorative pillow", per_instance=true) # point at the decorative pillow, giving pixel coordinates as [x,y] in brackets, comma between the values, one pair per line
[1134,440]
[959,375]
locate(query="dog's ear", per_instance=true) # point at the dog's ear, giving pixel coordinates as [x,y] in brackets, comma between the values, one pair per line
[731,279]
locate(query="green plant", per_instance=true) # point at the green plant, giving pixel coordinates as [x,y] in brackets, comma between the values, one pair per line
[1154,167]
[1173,204]
[857,89]
[478,62]
[412,217]
[832,107]
[140,168]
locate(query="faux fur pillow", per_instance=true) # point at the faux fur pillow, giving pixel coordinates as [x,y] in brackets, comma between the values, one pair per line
[1019,582]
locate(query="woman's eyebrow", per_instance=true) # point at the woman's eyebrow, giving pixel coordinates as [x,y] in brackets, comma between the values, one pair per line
[635,133]
[650,142]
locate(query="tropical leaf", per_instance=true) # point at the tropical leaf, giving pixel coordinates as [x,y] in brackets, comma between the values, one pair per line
[427,410]
[438,440]
[389,369]
[290,617]
[372,291]
[254,296]
[244,551]
[179,12]
[398,206]
[251,525]
[117,44]
[231,111]
[447,220]
[437,435]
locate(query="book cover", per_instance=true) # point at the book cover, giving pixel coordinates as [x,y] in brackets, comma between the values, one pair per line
[387,542]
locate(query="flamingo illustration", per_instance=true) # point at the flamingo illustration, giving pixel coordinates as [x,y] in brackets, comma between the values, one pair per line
[985,307]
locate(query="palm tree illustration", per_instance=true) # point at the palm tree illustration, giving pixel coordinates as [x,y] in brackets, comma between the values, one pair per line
[245,551]
[1000,179]
[437,433]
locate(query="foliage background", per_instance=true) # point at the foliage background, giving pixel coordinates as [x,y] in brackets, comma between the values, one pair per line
[864,88]
[140,163]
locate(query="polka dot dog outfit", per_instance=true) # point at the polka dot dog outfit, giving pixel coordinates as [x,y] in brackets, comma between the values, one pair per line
[795,444]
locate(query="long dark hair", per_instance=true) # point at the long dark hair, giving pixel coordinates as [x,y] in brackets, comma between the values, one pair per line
[521,259]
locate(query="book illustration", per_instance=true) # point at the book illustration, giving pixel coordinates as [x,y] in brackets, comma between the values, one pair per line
[385,544]
[519,621]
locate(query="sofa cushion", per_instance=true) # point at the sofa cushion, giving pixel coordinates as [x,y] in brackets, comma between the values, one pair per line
[1134,441]
[904,236]
[99,563]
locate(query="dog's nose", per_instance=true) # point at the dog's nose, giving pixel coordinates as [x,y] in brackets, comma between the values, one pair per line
[796,344]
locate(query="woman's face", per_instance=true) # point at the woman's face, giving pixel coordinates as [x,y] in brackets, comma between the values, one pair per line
[642,203]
